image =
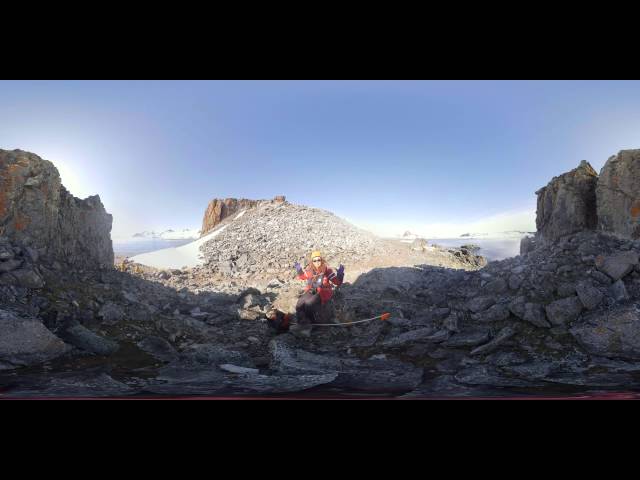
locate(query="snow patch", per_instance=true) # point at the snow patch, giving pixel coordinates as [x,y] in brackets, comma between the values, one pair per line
[185,256]
[240,214]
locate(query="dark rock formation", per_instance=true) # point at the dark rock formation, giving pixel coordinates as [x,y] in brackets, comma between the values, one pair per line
[37,212]
[568,203]
[618,195]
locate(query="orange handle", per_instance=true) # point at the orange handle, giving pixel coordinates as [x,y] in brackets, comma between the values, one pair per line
[385,316]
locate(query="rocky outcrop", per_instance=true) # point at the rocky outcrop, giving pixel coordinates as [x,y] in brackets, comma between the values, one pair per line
[568,203]
[219,209]
[269,238]
[618,195]
[26,341]
[38,213]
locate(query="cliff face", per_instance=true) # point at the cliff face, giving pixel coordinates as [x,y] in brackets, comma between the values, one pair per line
[219,209]
[618,194]
[568,203]
[583,200]
[37,212]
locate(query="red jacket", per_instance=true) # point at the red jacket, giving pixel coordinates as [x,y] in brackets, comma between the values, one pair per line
[321,281]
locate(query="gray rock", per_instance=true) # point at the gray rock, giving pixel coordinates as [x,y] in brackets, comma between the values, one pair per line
[111,313]
[502,359]
[618,265]
[614,333]
[479,304]
[158,348]
[451,323]
[527,244]
[70,384]
[26,341]
[85,339]
[23,277]
[6,252]
[228,367]
[600,277]
[517,306]
[366,375]
[446,386]
[211,382]
[9,265]
[593,379]
[618,291]
[488,375]
[564,311]
[210,355]
[565,290]
[495,286]
[535,370]
[534,313]
[494,313]
[412,336]
[515,281]
[502,336]
[469,338]
[589,295]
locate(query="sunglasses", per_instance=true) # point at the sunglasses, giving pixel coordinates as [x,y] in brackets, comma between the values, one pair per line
[317,260]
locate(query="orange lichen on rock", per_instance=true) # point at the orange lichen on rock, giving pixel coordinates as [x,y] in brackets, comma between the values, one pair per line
[614,181]
[635,209]
[21,223]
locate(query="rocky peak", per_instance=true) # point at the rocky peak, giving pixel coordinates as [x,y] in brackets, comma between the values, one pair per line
[618,195]
[219,209]
[568,203]
[36,211]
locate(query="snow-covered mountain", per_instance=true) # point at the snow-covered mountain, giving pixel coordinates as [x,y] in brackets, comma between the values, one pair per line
[505,234]
[170,234]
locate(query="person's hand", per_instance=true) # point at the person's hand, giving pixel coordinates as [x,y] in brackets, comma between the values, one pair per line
[341,271]
[298,268]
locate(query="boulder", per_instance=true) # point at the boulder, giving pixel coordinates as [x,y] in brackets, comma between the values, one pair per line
[158,348]
[495,313]
[111,313]
[614,333]
[86,340]
[617,265]
[618,291]
[534,313]
[589,295]
[564,311]
[26,341]
[501,337]
[480,304]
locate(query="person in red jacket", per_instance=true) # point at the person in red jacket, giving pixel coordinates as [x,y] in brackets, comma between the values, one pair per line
[320,279]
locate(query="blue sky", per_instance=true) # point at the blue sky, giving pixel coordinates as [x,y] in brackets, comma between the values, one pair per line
[388,155]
